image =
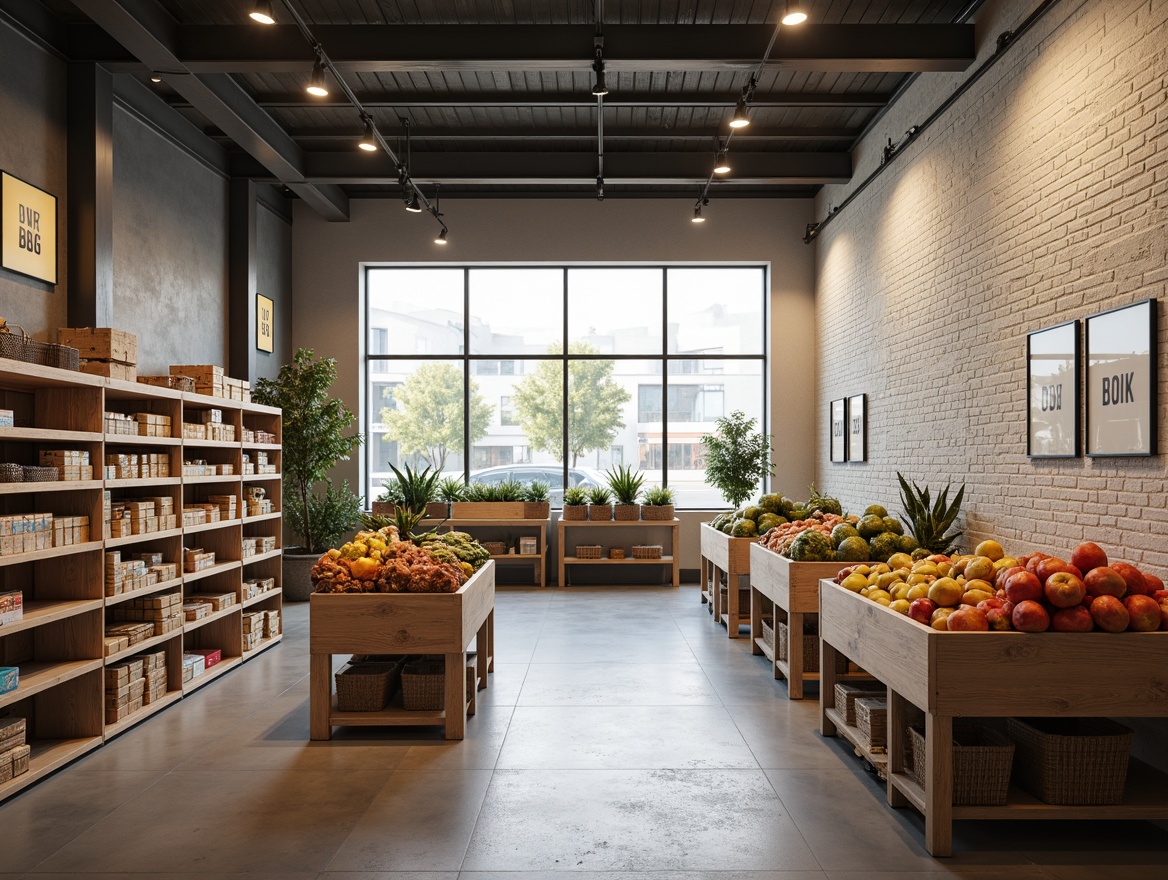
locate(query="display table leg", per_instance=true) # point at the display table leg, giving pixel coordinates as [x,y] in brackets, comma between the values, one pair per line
[716,591]
[320,696]
[491,641]
[939,784]
[755,621]
[795,656]
[827,677]
[897,719]
[732,610]
[482,661]
[456,695]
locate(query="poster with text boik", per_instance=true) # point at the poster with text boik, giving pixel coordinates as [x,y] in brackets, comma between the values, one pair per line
[28,229]
[1121,381]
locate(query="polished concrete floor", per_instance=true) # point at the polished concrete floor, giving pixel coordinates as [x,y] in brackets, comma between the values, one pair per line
[623,736]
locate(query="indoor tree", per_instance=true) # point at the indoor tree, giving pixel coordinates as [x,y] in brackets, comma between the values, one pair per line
[737,457]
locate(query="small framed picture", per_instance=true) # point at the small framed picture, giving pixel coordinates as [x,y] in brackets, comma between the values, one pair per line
[1052,382]
[1121,381]
[839,437]
[265,330]
[858,427]
[28,229]
[527,546]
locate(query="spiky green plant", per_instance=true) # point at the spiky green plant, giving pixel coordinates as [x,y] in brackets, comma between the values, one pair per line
[418,488]
[575,497]
[511,490]
[625,483]
[451,489]
[658,496]
[600,496]
[404,519]
[538,492]
[737,457]
[929,521]
[391,492]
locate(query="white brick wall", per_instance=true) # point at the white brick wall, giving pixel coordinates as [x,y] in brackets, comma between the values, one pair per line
[1041,196]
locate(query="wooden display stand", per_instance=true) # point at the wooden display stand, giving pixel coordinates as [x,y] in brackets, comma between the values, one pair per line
[401,623]
[59,645]
[489,529]
[792,588]
[724,555]
[668,559]
[990,674]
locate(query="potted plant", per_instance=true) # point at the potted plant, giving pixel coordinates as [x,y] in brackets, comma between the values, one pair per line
[575,504]
[390,497]
[490,501]
[536,503]
[737,457]
[418,488]
[316,435]
[450,490]
[657,504]
[626,486]
[600,504]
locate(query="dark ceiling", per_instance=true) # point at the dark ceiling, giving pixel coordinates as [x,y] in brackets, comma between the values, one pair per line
[498,92]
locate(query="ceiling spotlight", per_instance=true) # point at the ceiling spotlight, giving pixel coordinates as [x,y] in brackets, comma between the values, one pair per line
[441,239]
[697,217]
[156,77]
[740,118]
[316,84]
[412,204]
[600,88]
[261,11]
[794,14]
[721,166]
[368,140]
[600,189]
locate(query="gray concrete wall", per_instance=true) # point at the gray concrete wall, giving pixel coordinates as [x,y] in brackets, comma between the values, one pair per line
[274,280]
[33,147]
[170,249]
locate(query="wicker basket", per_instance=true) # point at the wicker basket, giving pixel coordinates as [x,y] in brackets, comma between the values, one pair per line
[982,759]
[367,687]
[872,721]
[647,551]
[423,685]
[657,512]
[616,553]
[768,632]
[626,512]
[810,652]
[574,512]
[37,474]
[1071,761]
[588,551]
[495,548]
[11,473]
[846,693]
[23,348]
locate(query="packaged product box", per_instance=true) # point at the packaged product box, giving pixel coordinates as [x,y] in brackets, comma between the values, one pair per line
[210,656]
[7,419]
[5,767]
[9,679]
[11,607]
[21,756]
[105,343]
[196,663]
[12,732]
[218,601]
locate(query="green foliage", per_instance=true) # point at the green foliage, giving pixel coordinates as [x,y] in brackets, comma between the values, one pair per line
[391,492]
[428,420]
[600,496]
[538,492]
[594,404]
[575,497]
[451,489]
[315,437]
[625,483]
[737,457]
[418,488]
[927,520]
[824,503]
[508,490]
[658,496]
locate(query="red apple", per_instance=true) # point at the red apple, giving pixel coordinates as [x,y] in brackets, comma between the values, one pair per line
[1023,586]
[1087,556]
[1160,594]
[1072,620]
[999,618]
[1030,617]
[1064,590]
[1053,564]
[1154,583]
[1104,581]
[921,610]
[1109,614]
[1032,560]
[992,602]
[1163,603]
[966,618]
[1137,584]
[1144,612]
[1003,573]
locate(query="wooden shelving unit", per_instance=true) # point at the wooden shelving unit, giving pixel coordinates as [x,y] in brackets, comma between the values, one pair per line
[724,555]
[1051,675]
[669,560]
[497,530]
[58,645]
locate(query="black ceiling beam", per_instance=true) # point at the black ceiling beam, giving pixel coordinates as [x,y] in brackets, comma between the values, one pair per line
[858,48]
[563,133]
[568,168]
[151,35]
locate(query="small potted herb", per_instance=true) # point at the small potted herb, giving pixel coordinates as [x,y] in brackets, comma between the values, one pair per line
[450,490]
[600,504]
[536,503]
[626,486]
[657,504]
[575,504]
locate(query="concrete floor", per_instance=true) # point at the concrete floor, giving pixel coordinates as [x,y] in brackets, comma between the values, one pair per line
[623,736]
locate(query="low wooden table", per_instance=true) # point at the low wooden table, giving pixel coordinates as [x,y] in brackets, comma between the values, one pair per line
[722,554]
[401,623]
[991,675]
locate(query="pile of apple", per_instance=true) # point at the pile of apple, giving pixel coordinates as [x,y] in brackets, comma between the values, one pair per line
[1033,593]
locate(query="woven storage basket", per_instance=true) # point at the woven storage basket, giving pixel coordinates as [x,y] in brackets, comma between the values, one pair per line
[367,687]
[11,473]
[647,551]
[810,652]
[616,553]
[23,348]
[847,692]
[872,721]
[37,474]
[982,760]
[657,512]
[423,685]
[768,632]
[626,512]
[588,551]
[495,548]
[574,512]
[1071,761]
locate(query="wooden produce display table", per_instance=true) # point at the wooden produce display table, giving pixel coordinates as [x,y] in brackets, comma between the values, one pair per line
[792,589]
[590,532]
[401,623]
[991,675]
[495,530]
[724,555]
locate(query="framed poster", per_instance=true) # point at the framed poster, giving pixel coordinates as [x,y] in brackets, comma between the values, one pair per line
[264,330]
[839,440]
[1052,383]
[858,427]
[1121,381]
[28,229]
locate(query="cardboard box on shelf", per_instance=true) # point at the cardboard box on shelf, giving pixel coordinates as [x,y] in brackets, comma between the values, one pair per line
[109,369]
[197,560]
[271,624]
[124,671]
[121,712]
[7,418]
[21,756]
[11,606]
[197,610]
[193,664]
[9,679]
[106,343]
[12,732]
[218,601]
[210,656]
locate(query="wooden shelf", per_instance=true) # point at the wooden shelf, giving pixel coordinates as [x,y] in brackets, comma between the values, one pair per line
[143,591]
[390,716]
[767,650]
[851,733]
[516,557]
[26,376]
[576,560]
[139,440]
[211,444]
[145,645]
[38,612]
[260,557]
[143,482]
[271,447]
[248,478]
[49,435]
[126,540]
[210,478]
[37,677]
[49,486]
[48,756]
[189,577]
[262,597]
[261,517]
[262,646]
[206,527]
[171,697]
[669,560]
[501,523]
[50,553]
[639,523]
[192,625]
[223,666]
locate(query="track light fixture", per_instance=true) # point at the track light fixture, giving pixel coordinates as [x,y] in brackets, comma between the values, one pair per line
[316,83]
[156,77]
[697,215]
[600,87]
[412,203]
[441,239]
[721,165]
[261,11]
[600,189]
[793,13]
[368,140]
[741,118]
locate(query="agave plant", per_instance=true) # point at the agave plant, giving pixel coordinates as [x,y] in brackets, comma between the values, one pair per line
[417,487]
[451,489]
[575,497]
[658,496]
[929,521]
[537,492]
[404,519]
[600,496]
[511,490]
[625,483]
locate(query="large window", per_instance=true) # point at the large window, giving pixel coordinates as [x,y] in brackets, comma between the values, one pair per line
[467,370]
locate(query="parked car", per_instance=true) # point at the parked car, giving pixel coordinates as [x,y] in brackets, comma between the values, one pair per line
[546,473]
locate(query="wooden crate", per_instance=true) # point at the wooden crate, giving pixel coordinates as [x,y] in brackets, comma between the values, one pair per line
[110,369]
[487,510]
[102,343]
